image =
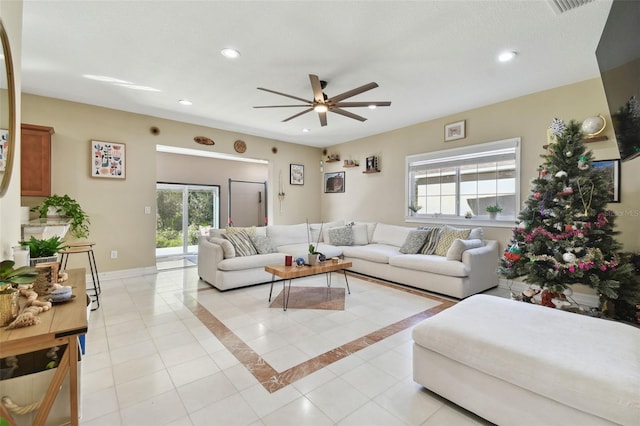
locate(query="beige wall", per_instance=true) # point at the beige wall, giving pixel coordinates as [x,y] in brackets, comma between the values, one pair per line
[380,196]
[116,207]
[11,14]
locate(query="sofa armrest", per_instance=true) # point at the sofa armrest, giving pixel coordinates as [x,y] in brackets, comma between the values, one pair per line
[483,263]
[209,255]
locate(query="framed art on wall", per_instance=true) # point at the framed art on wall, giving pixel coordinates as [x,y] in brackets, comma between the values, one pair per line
[108,160]
[296,174]
[334,182]
[454,131]
[611,172]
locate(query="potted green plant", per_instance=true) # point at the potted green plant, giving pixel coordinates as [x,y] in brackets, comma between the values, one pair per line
[9,278]
[65,206]
[44,250]
[494,210]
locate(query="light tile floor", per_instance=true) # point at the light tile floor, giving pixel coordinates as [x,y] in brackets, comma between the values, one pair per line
[151,361]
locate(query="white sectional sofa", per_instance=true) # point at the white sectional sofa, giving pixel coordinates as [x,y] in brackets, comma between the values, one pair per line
[374,250]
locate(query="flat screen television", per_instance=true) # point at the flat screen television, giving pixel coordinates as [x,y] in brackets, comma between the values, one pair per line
[618,56]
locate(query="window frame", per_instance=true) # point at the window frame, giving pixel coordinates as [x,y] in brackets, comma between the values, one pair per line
[491,149]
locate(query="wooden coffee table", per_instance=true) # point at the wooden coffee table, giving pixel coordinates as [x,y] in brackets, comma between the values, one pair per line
[294,271]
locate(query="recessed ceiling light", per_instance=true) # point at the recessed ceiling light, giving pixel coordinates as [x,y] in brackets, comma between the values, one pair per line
[106,79]
[185,102]
[507,56]
[230,53]
[138,87]
[305,130]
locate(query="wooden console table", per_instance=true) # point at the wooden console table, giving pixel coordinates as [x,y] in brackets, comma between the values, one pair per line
[59,326]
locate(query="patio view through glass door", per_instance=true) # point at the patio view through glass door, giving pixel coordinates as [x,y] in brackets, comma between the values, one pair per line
[181,211]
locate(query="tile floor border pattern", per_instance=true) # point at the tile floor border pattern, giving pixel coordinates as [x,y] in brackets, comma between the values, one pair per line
[273,380]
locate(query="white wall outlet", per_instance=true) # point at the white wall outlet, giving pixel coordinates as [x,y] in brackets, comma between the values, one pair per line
[147,210]
[114,254]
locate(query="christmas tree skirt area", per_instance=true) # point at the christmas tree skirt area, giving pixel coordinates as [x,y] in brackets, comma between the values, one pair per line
[25,380]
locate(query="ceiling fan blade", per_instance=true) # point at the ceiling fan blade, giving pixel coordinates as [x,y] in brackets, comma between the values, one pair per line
[361,104]
[317,88]
[353,92]
[280,106]
[348,114]
[284,94]
[323,118]
[298,114]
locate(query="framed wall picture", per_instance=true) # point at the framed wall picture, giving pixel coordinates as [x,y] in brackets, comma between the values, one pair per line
[296,174]
[108,160]
[334,182]
[372,164]
[455,131]
[611,171]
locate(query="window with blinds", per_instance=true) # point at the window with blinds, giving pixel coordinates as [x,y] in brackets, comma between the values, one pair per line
[465,181]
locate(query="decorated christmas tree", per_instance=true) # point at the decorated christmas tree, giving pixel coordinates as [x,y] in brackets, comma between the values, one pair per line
[565,234]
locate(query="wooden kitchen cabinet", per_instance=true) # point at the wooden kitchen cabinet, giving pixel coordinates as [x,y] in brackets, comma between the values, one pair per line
[35,160]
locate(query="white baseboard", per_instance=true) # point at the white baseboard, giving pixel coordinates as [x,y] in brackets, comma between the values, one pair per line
[124,273]
[582,299]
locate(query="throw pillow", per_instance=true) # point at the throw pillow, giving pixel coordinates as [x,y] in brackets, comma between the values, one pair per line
[262,244]
[432,239]
[360,235]
[227,248]
[250,230]
[414,241]
[242,243]
[447,236]
[341,236]
[459,246]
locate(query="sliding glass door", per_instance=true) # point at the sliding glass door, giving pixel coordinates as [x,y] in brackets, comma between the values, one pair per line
[182,210]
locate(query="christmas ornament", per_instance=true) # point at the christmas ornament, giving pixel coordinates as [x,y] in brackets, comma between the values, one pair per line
[513,254]
[569,153]
[561,174]
[569,257]
[558,127]
[567,190]
[537,195]
[582,163]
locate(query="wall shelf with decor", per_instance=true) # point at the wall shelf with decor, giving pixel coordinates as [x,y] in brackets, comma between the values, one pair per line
[371,171]
[332,160]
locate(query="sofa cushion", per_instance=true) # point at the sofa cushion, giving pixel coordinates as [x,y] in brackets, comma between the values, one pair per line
[227,248]
[242,243]
[341,236]
[447,236]
[360,234]
[248,262]
[281,235]
[414,241]
[302,250]
[371,227]
[379,253]
[459,246]
[431,242]
[390,234]
[430,263]
[250,230]
[262,244]
[325,230]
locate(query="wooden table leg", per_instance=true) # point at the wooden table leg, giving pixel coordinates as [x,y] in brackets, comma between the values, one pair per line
[53,389]
[73,379]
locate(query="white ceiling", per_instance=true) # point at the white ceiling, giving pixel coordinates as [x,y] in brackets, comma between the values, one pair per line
[430,58]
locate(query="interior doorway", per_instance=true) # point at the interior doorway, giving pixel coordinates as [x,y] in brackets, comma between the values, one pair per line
[247,203]
[181,210]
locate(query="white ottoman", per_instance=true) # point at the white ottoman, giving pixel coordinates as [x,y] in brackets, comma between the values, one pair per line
[517,363]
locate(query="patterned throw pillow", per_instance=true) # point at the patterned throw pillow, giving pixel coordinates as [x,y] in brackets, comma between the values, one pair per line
[460,246]
[432,239]
[262,244]
[414,241]
[447,236]
[341,236]
[250,230]
[242,243]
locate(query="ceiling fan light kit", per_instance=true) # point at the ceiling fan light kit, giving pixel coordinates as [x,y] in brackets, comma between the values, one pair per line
[322,104]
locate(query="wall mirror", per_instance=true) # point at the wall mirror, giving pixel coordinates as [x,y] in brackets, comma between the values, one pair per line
[7,112]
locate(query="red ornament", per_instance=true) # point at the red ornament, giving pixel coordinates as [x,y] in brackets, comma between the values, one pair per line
[537,195]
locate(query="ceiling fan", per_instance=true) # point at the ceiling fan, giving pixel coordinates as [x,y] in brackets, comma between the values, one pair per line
[321,103]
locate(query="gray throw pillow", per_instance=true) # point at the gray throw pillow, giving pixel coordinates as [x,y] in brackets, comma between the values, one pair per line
[242,243]
[414,241]
[341,236]
[262,244]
